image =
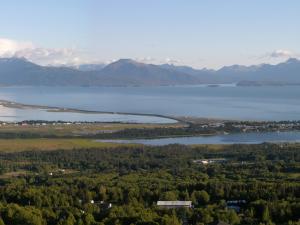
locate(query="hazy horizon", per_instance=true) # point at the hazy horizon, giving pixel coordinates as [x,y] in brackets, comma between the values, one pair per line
[103,64]
[200,34]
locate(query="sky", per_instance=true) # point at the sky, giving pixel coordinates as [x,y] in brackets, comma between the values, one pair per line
[198,33]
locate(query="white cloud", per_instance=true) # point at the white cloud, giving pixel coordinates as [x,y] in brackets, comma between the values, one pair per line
[53,56]
[60,56]
[172,61]
[151,60]
[274,57]
[9,47]
[147,59]
[110,61]
[40,55]
[282,54]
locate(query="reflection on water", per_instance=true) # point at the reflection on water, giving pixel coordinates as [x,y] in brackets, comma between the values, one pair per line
[241,138]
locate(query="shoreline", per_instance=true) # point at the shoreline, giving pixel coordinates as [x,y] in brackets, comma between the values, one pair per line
[184,120]
[16,105]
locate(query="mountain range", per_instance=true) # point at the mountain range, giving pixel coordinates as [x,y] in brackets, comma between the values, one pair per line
[127,72]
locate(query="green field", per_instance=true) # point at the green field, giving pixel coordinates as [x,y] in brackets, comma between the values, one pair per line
[44,144]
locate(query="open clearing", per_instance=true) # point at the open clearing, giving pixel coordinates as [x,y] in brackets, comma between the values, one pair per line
[44,144]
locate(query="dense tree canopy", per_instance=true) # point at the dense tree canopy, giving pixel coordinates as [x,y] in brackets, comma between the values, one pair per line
[121,185]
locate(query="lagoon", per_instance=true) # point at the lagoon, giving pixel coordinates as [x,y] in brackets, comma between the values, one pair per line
[239,138]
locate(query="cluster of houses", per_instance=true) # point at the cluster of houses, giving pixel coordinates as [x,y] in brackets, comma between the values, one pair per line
[270,126]
[213,125]
[256,127]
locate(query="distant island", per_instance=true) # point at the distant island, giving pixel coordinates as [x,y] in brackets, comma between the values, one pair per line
[127,72]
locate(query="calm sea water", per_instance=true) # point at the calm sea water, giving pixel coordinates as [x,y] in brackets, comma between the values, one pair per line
[229,102]
[12,115]
[241,138]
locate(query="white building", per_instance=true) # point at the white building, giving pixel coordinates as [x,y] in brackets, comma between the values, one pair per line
[174,204]
[209,161]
